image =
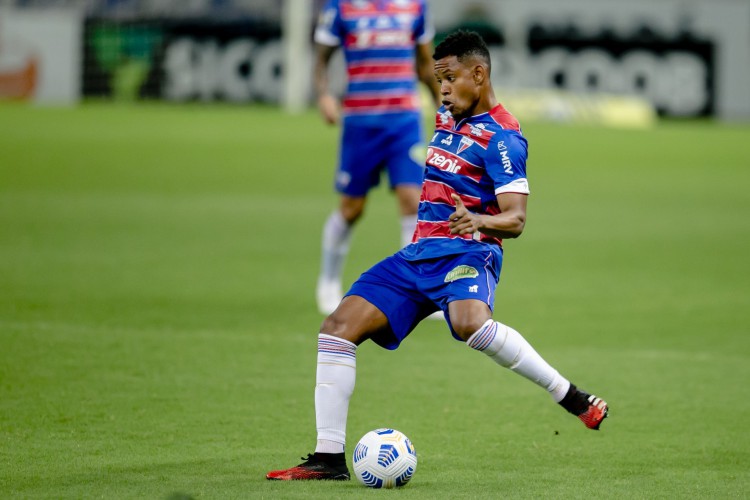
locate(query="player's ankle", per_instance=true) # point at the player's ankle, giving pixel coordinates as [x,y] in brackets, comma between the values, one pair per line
[573,402]
[331,458]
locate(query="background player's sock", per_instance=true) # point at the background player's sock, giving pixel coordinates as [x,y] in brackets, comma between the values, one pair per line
[336,236]
[334,384]
[335,247]
[408,225]
[508,348]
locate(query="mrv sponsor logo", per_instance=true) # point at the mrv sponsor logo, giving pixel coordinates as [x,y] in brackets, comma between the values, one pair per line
[504,157]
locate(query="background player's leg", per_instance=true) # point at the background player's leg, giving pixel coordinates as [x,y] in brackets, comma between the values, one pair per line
[405,165]
[408,203]
[334,249]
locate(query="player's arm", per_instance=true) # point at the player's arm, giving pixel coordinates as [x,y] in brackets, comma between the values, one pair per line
[509,223]
[425,71]
[327,103]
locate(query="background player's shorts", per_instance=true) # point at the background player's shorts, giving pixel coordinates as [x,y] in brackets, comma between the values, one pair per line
[366,151]
[408,291]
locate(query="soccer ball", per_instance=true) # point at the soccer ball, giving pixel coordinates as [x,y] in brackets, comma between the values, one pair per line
[384,458]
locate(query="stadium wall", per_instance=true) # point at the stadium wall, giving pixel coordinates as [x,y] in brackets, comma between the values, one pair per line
[40,55]
[688,58]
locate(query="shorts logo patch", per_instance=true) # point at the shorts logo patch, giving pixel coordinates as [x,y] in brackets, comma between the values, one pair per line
[343,178]
[418,153]
[461,272]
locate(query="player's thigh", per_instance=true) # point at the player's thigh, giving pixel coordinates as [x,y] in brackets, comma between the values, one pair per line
[466,316]
[391,286]
[470,281]
[355,319]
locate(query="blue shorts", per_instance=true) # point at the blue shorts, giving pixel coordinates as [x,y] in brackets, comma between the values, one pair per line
[408,291]
[366,151]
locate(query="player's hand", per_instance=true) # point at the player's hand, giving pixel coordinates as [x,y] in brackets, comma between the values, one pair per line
[462,221]
[329,108]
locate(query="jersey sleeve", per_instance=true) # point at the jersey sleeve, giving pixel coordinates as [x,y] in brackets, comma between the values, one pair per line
[505,162]
[424,31]
[330,28]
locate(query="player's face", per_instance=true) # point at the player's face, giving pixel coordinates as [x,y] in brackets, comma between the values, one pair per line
[458,86]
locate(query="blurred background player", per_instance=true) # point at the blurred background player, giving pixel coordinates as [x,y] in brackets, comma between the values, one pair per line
[474,195]
[387,46]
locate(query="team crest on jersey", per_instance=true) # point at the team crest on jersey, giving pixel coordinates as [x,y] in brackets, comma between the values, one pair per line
[461,272]
[465,144]
[478,133]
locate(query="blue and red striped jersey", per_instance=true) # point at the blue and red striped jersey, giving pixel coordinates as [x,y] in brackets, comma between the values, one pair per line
[477,158]
[379,39]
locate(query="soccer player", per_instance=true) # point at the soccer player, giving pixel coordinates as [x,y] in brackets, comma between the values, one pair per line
[387,46]
[473,196]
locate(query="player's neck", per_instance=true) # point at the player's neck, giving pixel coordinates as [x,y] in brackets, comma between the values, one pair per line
[486,102]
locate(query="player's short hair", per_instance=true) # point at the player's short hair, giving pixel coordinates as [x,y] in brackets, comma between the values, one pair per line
[463,44]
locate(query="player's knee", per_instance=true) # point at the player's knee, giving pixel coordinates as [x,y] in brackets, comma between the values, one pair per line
[354,320]
[337,325]
[352,214]
[352,208]
[467,326]
[468,316]
[332,325]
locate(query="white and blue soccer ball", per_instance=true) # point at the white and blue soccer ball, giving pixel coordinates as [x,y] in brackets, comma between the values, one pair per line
[384,458]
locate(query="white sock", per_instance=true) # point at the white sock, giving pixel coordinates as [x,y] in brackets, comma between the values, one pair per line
[334,384]
[508,348]
[408,226]
[336,237]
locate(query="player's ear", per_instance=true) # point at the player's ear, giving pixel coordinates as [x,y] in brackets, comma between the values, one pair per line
[480,74]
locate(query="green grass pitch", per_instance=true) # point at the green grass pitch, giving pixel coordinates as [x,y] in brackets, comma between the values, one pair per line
[158,326]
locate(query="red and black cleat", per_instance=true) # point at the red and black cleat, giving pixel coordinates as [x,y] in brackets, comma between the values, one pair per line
[317,466]
[596,412]
[590,409]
